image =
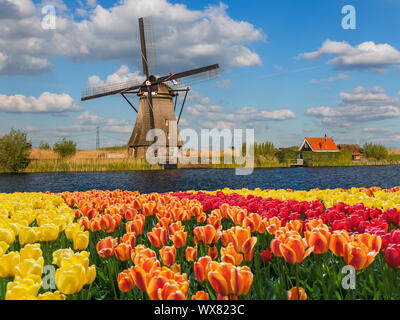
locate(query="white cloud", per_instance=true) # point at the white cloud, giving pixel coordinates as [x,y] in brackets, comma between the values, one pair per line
[200,116]
[224,84]
[91,3]
[339,77]
[123,74]
[31,129]
[365,56]
[358,105]
[46,103]
[185,38]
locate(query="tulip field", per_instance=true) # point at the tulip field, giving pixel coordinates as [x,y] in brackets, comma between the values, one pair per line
[200,245]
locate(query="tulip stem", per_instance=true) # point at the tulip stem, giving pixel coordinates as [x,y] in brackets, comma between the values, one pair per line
[111,274]
[297,280]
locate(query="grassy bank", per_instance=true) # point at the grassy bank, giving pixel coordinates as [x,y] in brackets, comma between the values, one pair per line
[88,165]
[116,159]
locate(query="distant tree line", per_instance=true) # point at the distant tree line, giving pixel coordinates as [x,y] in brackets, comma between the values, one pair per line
[15,149]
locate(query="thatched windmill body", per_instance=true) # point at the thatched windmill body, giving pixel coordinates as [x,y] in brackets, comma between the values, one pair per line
[158,96]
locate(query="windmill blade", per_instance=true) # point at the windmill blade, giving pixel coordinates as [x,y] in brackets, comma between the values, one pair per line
[195,75]
[108,90]
[147,44]
[150,45]
[143,47]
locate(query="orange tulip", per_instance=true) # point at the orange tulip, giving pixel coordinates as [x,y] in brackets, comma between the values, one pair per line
[129,238]
[255,222]
[373,242]
[201,295]
[229,255]
[207,234]
[191,253]
[125,281]
[243,242]
[318,238]
[130,214]
[311,224]
[158,237]
[213,252]
[139,278]
[161,288]
[338,242]
[201,218]
[95,224]
[273,225]
[215,221]
[201,268]
[227,280]
[294,294]
[295,225]
[237,215]
[275,246]
[105,247]
[164,223]
[358,255]
[148,208]
[168,255]
[179,239]
[136,225]
[123,251]
[293,249]
[226,237]
[107,223]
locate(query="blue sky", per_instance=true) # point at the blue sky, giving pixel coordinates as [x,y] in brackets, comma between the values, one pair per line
[289,69]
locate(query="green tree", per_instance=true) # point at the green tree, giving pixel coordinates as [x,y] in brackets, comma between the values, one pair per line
[14,151]
[65,148]
[375,151]
[44,146]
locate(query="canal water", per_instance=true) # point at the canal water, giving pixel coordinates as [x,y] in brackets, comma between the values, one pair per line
[204,179]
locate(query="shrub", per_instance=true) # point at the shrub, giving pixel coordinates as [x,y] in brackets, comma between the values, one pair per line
[65,148]
[286,154]
[44,146]
[375,151]
[14,151]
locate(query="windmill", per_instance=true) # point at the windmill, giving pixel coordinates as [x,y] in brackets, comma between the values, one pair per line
[158,96]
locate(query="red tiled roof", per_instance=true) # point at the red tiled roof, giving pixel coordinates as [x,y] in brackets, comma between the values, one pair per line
[357,154]
[322,144]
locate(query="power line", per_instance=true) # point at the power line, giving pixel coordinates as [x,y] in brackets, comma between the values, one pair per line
[97,138]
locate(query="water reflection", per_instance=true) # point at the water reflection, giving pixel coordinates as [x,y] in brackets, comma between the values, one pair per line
[205,179]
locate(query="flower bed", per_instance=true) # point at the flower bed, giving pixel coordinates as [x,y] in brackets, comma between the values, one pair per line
[226,244]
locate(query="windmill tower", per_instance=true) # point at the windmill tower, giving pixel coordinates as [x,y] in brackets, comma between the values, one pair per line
[158,96]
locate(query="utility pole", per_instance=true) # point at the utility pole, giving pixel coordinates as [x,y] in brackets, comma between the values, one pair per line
[97,138]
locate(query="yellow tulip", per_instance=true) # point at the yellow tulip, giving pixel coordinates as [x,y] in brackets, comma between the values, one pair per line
[51,296]
[81,258]
[70,279]
[60,255]
[28,235]
[22,289]
[71,229]
[3,247]
[81,240]
[31,251]
[90,274]
[8,262]
[48,232]
[7,235]
[29,269]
